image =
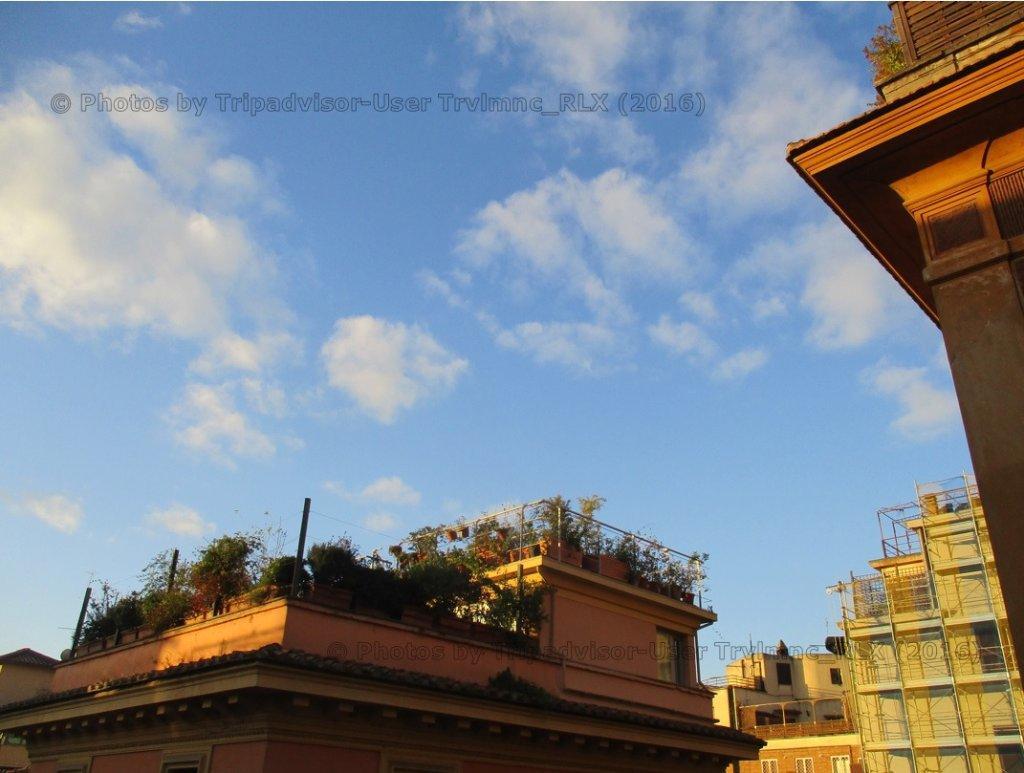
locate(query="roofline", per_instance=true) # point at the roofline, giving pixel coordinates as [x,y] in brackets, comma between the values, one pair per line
[277,656]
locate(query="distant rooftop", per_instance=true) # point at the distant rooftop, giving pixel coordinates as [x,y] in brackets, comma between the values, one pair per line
[27,657]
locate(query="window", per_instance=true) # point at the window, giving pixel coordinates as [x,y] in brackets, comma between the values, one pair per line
[841,764]
[672,653]
[804,765]
[184,763]
[783,673]
[836,674]
[769,766]
[990,654]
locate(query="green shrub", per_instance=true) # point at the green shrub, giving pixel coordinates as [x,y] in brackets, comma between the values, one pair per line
[443,587]
[110,614]
[514,610]
[334,564]
[165,609]
[224,569]
[383,590]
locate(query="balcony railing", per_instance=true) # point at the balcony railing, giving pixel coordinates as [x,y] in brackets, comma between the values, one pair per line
[801,729]
[743,682]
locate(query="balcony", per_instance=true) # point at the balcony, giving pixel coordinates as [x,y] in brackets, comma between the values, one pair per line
[730,680]
[801,729]
[795,719]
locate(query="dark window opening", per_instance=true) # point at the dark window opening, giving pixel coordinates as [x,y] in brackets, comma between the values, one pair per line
[784,673]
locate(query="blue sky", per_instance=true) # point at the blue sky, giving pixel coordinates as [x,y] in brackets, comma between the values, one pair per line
[412,316]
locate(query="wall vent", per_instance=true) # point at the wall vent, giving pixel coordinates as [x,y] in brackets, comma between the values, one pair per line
[955,228]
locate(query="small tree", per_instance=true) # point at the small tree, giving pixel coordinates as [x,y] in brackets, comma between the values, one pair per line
[516,609]
[225,568]
[885,52]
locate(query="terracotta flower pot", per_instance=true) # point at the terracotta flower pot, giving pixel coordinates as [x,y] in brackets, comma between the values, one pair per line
[567,554]
[339,598]
[612,567]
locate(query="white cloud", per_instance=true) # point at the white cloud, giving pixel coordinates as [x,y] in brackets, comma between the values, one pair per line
[740,364]
[682,338]
[56,511]
[388,490]
[179,519]
[581,346]
[927,410]
[117,220]
[387,367]
[581,45]
[230,351]
[790,86]
[135,21]
[207,421]
[849,297]
[586,235]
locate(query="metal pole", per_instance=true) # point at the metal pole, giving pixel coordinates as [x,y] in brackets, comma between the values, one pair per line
[174,570]
[301,551]
[559,532]
[81,618]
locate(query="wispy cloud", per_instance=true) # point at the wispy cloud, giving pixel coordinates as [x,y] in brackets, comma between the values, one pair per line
[927,411]
[55,510]
[135,21]
[388,490]
[208,422]
[740,364]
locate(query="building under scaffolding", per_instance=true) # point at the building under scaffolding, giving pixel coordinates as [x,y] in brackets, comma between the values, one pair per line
[935,683]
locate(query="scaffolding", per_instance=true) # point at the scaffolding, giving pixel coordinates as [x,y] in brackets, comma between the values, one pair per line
[935,686]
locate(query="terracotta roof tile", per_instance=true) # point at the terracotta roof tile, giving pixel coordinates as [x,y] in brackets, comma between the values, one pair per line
[27,657]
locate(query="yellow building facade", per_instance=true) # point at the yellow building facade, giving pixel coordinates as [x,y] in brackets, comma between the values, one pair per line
[935,684]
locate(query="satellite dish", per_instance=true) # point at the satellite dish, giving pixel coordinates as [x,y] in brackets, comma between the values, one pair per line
[65,656]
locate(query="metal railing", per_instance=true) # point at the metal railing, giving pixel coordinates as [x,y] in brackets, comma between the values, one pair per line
[801,729]
[728,680]
[549,527]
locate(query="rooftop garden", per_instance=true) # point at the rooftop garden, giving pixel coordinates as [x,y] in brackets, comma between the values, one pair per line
[439,576]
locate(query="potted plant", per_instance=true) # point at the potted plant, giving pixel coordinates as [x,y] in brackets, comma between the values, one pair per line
[560,532]
[608,562]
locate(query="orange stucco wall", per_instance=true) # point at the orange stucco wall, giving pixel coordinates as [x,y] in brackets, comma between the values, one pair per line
[601,653]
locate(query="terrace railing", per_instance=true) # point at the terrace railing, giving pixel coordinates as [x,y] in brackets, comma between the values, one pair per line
[549,527]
